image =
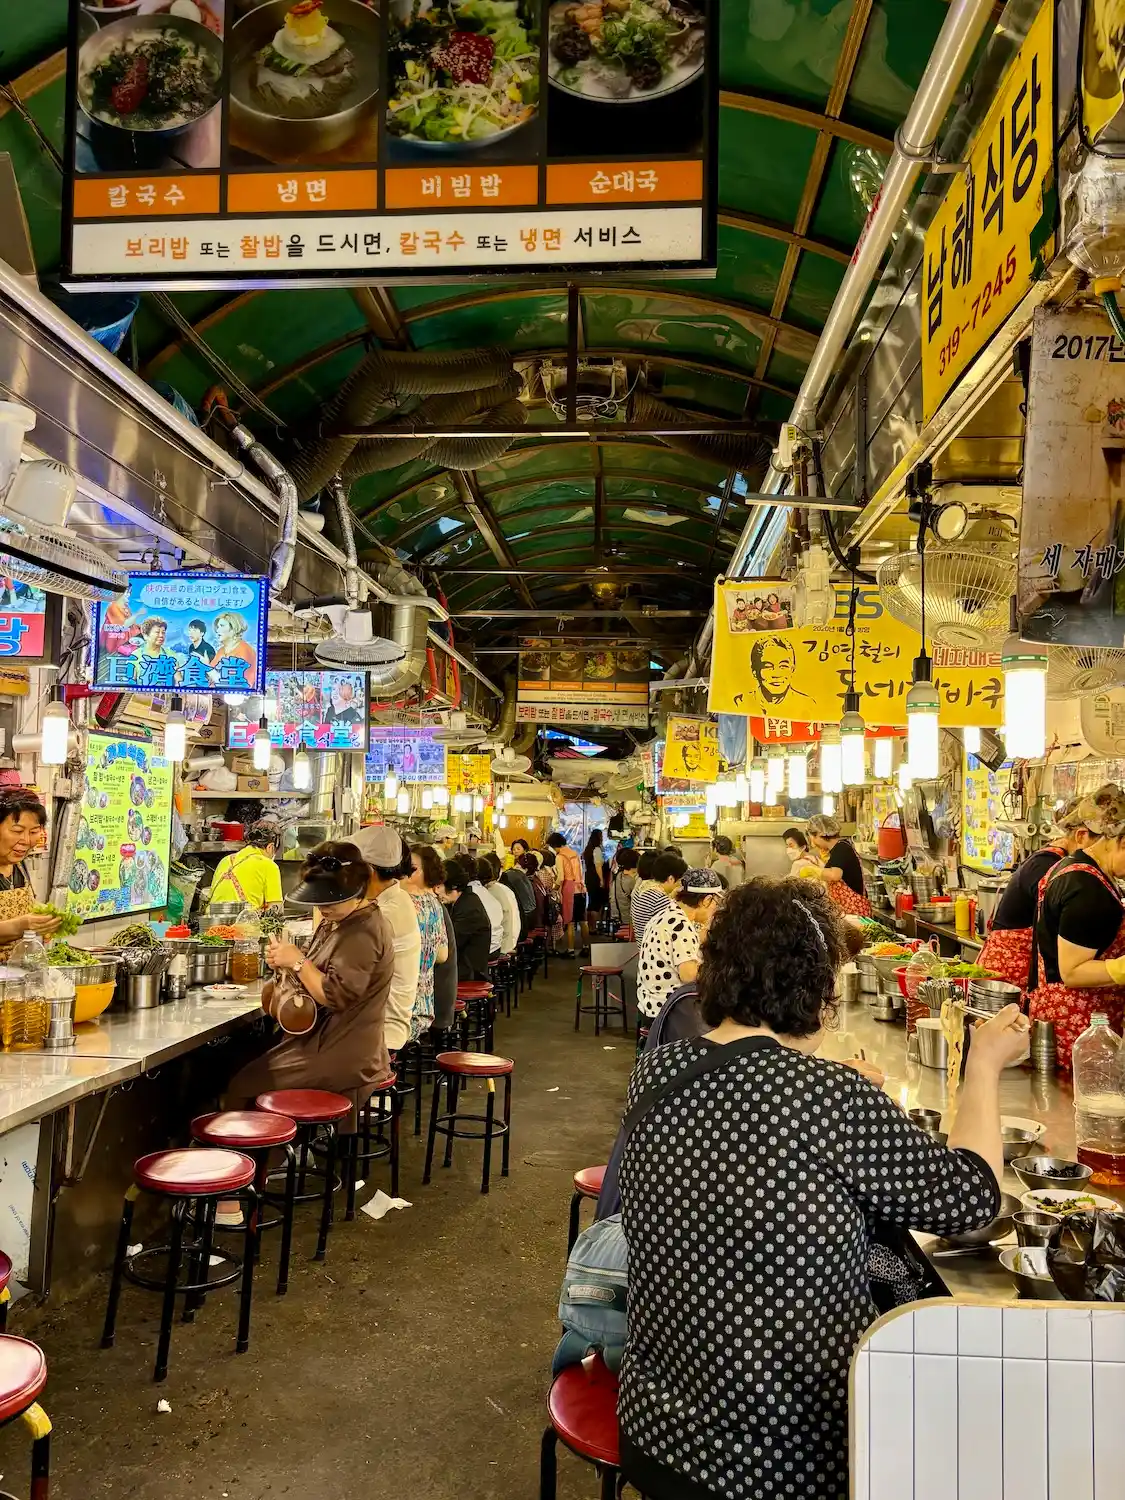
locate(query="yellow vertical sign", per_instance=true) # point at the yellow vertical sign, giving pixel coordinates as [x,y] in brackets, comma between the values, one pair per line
[984,241]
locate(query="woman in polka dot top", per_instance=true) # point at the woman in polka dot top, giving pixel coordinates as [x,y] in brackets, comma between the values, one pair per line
[746,1201]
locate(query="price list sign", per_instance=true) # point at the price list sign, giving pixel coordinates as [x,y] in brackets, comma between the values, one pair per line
[212,143]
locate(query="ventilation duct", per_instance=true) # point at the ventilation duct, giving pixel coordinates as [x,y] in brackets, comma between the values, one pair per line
[748,453]
[284,553]
[372,455]
[504,731]
[384,379]
[409,631]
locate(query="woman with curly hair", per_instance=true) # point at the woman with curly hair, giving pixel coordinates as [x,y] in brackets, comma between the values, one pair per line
[752,1175]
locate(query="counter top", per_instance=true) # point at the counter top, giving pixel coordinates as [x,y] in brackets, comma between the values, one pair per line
[152,1037]
[34,1084]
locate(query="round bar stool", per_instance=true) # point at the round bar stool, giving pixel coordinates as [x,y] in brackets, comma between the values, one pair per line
[23,1375]
[453,1068]
[476,1017]
[313,1110]
[605,999]
[582,1408]
[256,1134]
[194,1183]
[587,1184]
[5,1294]
[371,1127]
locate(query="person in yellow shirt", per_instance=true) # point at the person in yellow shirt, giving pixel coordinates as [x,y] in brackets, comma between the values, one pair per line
[251,876]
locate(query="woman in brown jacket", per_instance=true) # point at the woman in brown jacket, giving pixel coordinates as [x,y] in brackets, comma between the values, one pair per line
[340,985]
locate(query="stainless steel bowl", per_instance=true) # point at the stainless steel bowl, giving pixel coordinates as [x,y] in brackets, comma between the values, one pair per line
[993,994]
[1000,1226]
[1027,1267]
[96,972]
[1037,1230]
[1047,1172]
[1016,1142]
[885,967]
[107,38]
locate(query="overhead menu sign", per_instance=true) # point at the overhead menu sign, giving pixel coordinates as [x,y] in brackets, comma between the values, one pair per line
[994,223]
[218,144]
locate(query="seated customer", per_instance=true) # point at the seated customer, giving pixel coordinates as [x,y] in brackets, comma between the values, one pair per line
[648,899]
[384,851]
[472,927]
[488,872]
[622,885]
[480,872]
[421,885]
[748,1195]
[670,948]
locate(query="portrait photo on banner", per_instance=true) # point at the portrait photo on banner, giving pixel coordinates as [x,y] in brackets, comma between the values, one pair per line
[691,750]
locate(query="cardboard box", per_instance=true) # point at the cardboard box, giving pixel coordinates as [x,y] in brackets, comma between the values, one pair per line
[252,786]
[243,765]
[209,734]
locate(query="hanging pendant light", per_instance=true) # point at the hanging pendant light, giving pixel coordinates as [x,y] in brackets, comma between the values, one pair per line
[853,731]
[741,787]
[922,731]
[302,771]
[798,772]
[502,821]
[427,799]
[775,772]
[971,739]
[263,750]
[402,802]
[757,778]
[828,804]
[1025,696]
[441,796]
[905,778]
[175,736]
[883,761]
[390,786]
[54,729]
[831,759]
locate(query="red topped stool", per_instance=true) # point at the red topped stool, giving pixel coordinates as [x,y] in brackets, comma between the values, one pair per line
[587,1184]
[5,1294]
[313,1110]
[605,999]
[194,1183]
[23,1376]
[257,1133]
[454,1068]
[477,1016]
[382,1110]
[582,1407]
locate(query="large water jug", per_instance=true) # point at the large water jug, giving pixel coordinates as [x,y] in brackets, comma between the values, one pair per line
[1099,1102]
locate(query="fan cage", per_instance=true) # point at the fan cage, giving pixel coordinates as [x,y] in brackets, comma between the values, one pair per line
[968,594]
[58,563]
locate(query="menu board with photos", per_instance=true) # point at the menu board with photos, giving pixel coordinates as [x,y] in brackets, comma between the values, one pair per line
[125,832]
[223,143]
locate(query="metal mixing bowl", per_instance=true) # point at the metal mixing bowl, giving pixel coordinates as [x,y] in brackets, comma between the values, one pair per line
[1028,1269]
[1048,1172]
[1016,1142]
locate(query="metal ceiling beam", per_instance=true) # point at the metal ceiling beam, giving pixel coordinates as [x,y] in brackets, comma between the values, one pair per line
[492,533]
[599,432]
[606,573]
[735,218]
[564,612]
[381,315]
[794,114]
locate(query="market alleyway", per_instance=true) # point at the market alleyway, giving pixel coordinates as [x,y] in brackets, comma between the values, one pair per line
[413,1362]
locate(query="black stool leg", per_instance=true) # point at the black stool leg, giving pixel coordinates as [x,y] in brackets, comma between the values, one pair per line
[609,1483]
[396,1120]
[548,1466]
[305,1139]
[452,1091]
[489,1112]
[435,1105]
[329,1185]
[599,1002]
[288,1211]
[247,1288]
[171,1276]
[417,1091]
[351,1172]
[578,1005]
[506,1145]
[199,1265]
[119,1254]
[575,1203]
[40,1466]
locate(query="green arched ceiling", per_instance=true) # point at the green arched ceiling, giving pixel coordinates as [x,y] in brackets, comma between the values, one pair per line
[812,92]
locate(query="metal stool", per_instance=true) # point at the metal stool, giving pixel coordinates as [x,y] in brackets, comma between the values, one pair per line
[256,1134]
[587,1184]
[605,999]
[5,1294]
[313,1110]
[361,1158]
[453,1067]
[185,1178]
[476,1015]
[582,1408]
[23,1375]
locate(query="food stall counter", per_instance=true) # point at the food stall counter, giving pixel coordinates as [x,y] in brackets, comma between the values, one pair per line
[152,1037]
[34,1084]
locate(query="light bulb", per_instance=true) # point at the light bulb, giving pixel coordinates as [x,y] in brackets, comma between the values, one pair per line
[905,777]
[390,786]
[922,733]
[1025,699]
[798,774]
[235,700]
[402,802]
[770,799]
[757,779]
[263,750]
[831,759]
[53,732]
[478,804]
[175,736]
[302,771]
[853,742]
[775,772]
[427,799]
[502,821]
[741,787]
[441,796]
[970,737]
[828,804]
[530,824]
[883,761]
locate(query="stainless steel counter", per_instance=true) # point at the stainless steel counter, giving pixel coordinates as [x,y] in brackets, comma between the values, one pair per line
[34,1084]
[1022,1092]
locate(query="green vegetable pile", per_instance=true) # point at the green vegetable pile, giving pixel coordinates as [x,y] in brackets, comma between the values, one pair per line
[272,924]
[208,941]
[136,935]
[64,953]
[68,922]
[953,970]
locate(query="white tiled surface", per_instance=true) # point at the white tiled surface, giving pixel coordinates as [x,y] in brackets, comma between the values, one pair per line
[959,1402]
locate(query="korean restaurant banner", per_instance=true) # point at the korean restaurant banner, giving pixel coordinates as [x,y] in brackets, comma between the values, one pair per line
[227,142]
[553,670]
[1072,532]
[996,224]
[799,732]
[691,751]
[803,673]
[469,773]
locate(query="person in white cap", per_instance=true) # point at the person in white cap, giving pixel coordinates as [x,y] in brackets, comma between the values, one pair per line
[384,851]
[672,944]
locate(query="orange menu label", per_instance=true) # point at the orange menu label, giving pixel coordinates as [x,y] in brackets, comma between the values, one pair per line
[462,187]
[145,197]
[625,182]
[302,192]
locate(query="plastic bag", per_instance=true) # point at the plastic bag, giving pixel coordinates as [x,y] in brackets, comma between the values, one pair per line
[1088,1263]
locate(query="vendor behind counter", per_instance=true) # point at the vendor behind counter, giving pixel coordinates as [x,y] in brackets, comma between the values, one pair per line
[251,877]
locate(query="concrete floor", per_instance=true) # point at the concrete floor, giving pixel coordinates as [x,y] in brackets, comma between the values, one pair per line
[412,1363]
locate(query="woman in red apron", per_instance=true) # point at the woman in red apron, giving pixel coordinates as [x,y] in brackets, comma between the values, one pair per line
[841,872]
[1007,948]
[1080,933]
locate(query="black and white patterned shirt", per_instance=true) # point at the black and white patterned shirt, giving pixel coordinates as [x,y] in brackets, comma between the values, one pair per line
[670,939]
[745,1200]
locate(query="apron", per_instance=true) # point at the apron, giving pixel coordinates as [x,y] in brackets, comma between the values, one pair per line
[1007,950]
[1071,1009]
[234,880]
[14,903]
[850,902]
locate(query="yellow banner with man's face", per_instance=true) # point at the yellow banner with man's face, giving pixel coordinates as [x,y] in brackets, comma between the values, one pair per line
[804,673]
[691,750]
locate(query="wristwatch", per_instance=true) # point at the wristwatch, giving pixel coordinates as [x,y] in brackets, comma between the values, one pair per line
[298,966]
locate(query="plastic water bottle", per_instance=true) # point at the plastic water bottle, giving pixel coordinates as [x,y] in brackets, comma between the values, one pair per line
[1099,1102]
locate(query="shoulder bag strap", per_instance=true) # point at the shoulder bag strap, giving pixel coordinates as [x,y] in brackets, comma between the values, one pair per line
[713,1060]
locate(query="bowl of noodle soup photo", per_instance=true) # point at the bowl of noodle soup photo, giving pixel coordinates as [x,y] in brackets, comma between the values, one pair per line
[303,77]
[154,77]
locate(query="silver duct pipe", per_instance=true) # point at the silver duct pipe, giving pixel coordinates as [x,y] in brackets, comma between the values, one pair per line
[915,141]
[504,731]
[408,630]
[284,554]
[347,536]
[737,450]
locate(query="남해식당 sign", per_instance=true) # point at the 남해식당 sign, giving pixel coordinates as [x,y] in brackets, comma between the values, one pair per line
[993,224]
[349,140]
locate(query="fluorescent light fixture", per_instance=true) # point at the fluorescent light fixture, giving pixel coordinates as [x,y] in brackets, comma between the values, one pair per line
[922,732]
[53,731]
[798,774]
[263,750]
[828,804]
[831,759]
[441,796]
[775,771]
[390,786]
[883,759]
[1025,699]
[402,802]
[502,821]
[757,779]
[905,777]
[478,804]
[175,736]
[302,771]
[427,798]
[853,742]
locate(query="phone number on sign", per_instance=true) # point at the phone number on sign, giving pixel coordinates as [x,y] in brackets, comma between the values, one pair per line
[982,303]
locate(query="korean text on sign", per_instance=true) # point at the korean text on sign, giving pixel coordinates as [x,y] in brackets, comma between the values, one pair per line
[984,240]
